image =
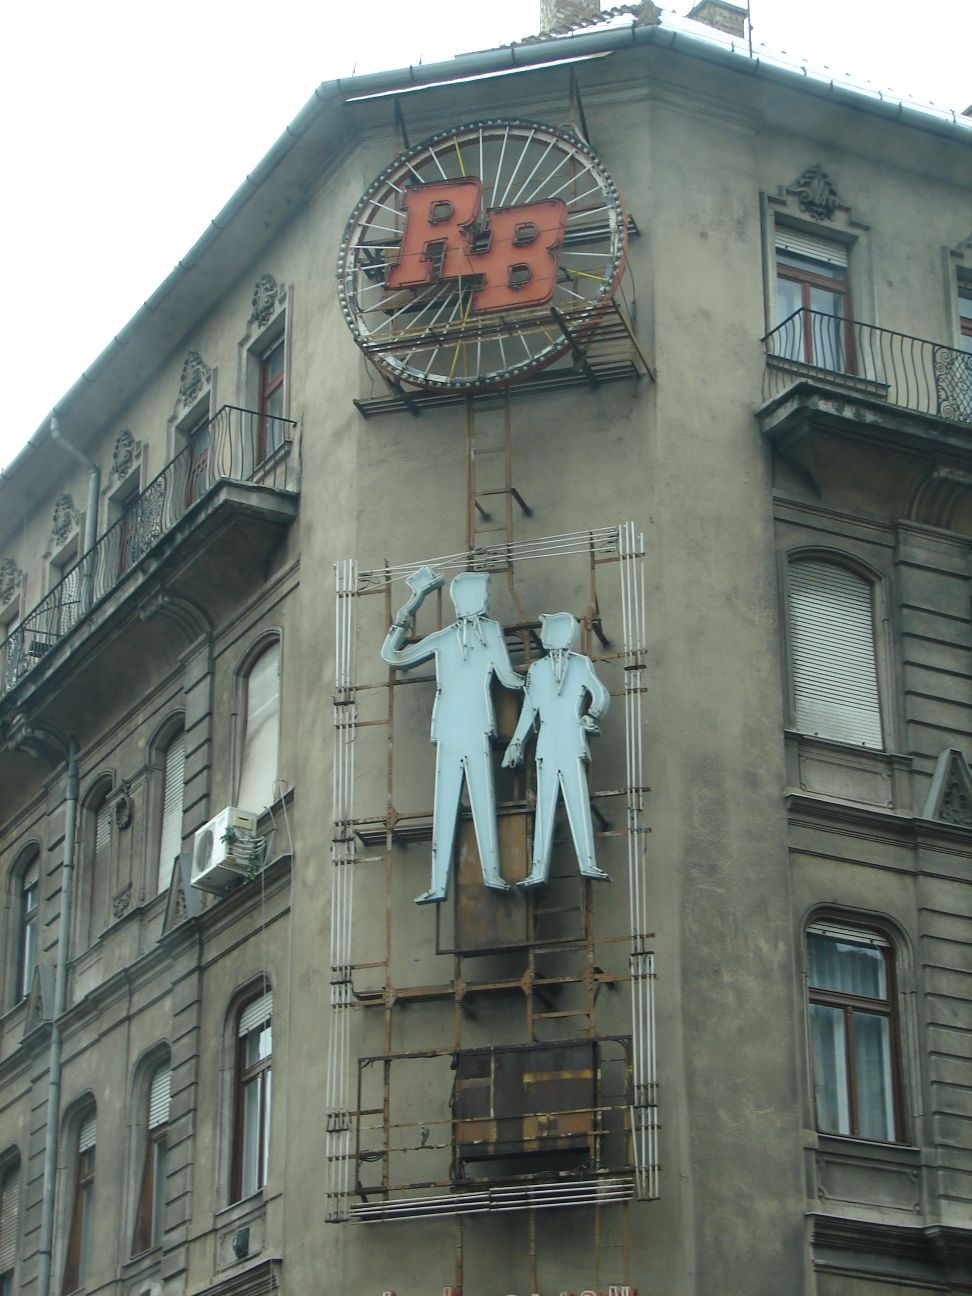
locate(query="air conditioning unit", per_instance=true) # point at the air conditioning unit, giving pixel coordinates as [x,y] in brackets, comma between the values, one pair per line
[224,850]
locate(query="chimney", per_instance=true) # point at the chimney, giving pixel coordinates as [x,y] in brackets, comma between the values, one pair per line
[720,14]
[562,15]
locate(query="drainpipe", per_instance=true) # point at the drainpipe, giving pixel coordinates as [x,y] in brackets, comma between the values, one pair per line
[91,512]
[60,997]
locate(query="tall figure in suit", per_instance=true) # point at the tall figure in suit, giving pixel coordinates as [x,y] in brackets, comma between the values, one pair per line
[564,693]
[467,654]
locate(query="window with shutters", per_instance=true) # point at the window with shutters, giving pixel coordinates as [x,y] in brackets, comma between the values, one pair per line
[27,893]
[813,300]
[9,1220]
[853,1032]
[78,1249]
[151,1195]
[833,661]
[260,725]
[95,875]
[173,784]
[254,1051]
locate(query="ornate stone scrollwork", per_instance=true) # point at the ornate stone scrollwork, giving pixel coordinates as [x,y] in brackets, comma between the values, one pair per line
[950,795]
[64,519]
[11,579]
[956,804]
[816,193]
[194,377]
[266,295]
[125,455]
[121,900]
[123,810]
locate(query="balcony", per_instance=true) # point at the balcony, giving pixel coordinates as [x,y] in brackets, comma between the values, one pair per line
[201,527]
[895,369]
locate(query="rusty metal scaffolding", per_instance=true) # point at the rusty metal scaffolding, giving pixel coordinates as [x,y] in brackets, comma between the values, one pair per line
[527,1081]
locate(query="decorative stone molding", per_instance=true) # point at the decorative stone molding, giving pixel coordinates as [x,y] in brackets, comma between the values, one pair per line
[950,795]
[126,454]
[123,810]
[194,377]
[121,900]
[64,519]
[11,579]
[816,193]
[267,296]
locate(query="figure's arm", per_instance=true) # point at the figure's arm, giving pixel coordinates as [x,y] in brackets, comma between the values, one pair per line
[421,583]
[514,751]
[502,667]
[600,700]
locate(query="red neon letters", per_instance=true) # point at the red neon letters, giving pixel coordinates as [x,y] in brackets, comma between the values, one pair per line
[510,255]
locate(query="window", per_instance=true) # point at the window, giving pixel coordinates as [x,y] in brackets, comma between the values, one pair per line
[29,890]
[261,731]
[9,1216]
[66,594]
[151,1194]
[271,400]
[94,875]
[811,278]
[251,1144]
[79,1229]
[850,977]
[965,317]
[832,653]
[173,783]
[199,478]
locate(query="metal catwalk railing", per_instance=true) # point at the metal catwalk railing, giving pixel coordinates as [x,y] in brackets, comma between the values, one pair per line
[908,372]
[235,445]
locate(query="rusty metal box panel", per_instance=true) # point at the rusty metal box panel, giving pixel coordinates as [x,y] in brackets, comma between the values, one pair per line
[524,1101]
[488,920]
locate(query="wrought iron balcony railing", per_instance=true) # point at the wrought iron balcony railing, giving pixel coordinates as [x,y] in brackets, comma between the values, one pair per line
[235,445]
[908,372]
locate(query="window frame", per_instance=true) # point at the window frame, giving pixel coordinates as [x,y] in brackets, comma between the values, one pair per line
[271,640]
[842,561]
[174,734]
[93,891]
[149,1223]
[11,1169]
[78,1219]
[27,922]
[267,388]
[848,1003]
[246,1077]
[831,278]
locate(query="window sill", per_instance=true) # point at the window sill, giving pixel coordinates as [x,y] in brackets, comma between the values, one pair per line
[861,1177]
[246,1216]
[846,773]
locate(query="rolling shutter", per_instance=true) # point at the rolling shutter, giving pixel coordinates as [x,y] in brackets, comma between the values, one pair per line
[89,1133]
[170,840]
[159,1097]
[832,641]
[256,1013]
[809,245]
[9,1211]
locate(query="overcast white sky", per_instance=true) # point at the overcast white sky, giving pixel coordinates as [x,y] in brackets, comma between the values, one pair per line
[128,125]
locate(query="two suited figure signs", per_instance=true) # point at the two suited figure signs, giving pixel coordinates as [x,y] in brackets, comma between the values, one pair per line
[561,692]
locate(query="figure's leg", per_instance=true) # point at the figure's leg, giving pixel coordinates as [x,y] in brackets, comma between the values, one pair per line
[448,786]
[482,800]
[548,790]
[578,802]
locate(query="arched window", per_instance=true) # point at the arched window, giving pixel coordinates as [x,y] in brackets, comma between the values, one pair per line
[151,1194]
[78,1254]
[254,1052]
[173,785]
[26,887]
[94,873]
[9,1222]
[260,730]
[854,1032]
[832,652]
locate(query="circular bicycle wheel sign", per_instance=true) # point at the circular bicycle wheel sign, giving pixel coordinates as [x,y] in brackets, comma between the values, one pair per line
[478,256]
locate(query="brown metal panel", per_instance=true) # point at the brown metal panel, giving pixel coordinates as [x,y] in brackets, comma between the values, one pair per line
[485,919]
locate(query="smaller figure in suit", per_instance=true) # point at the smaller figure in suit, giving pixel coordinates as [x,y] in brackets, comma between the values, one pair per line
[564,693]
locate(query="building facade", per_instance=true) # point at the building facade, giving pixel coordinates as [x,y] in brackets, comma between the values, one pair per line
[669,341]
